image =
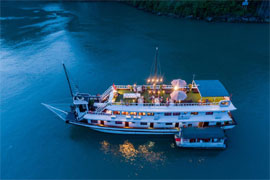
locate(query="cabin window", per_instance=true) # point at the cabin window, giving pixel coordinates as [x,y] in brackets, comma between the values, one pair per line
[150,114]
[141,113]
[94,121]
[226,122]
[209,113]
[116,112]
[192,140]
[194,113]
[189,125]
[108,121]
[143,123]
[225,103]
[133,113]
[168,124]
[167,114]
[124,113]
[176,113]
[218,123]
[118,122]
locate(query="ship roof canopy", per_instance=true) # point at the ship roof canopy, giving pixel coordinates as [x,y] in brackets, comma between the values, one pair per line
[204,133]
[211,88]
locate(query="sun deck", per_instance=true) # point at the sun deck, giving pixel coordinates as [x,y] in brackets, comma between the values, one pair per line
[192,96]
[148,94]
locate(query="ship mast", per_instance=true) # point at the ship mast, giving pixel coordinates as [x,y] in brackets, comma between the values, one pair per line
[70,89]
[156,77]
[156,62]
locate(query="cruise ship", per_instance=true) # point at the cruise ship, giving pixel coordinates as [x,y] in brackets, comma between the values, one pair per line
[152,108]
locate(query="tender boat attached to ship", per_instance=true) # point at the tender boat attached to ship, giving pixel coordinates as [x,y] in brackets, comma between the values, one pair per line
[192,137]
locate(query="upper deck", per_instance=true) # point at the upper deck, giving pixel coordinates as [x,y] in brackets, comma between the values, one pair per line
[157,98]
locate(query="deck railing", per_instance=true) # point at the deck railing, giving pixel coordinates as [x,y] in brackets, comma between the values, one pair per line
[99,113]
[165,104]
[150,86]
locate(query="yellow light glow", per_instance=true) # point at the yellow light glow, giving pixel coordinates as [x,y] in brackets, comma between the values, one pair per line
[134,84]
[149,92]
[163,91]
[148,80]
[158,92]
[153,80]
[161,80]
[175,88]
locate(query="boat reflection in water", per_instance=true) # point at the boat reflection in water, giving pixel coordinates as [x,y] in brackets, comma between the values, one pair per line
[131,154]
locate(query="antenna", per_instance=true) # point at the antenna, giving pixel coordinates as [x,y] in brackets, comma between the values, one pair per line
[68,80]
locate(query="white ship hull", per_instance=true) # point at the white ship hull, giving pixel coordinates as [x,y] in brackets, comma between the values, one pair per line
[116,130]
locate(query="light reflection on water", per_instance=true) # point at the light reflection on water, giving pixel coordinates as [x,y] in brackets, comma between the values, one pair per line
[132,154]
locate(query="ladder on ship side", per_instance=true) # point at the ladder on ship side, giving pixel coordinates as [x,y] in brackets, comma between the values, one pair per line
[106,93]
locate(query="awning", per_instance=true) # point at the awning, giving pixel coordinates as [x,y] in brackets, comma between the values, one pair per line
[211,88]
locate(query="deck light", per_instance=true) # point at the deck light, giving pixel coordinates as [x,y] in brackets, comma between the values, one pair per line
[163,92]
[175,88]
[161,80]
[148,80]
[153,80]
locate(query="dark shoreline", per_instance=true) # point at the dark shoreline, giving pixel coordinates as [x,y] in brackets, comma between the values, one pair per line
[224,18]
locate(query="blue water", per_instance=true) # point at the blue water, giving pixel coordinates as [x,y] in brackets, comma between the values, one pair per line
[106,43]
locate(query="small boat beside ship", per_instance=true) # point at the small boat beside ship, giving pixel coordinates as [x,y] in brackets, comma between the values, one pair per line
[192,137]
[154,108]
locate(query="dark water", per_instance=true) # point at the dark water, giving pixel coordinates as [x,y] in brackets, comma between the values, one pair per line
[105,43]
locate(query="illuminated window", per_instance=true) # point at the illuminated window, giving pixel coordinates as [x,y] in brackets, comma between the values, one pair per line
[194,113]
[150,114]
[141,114]
[116,112]
[124,113]
[133,113]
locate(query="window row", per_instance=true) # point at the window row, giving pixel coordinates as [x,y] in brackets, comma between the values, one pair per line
[121,122]
[152,114]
